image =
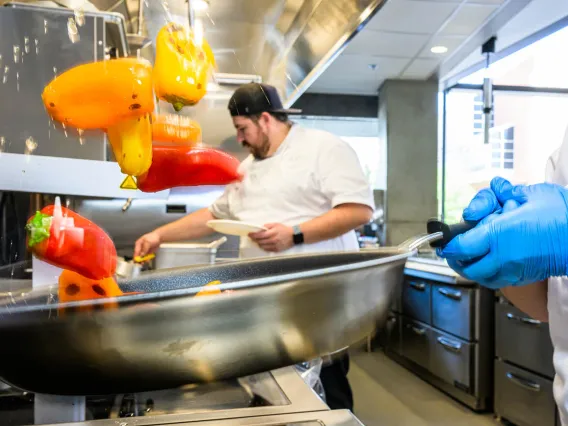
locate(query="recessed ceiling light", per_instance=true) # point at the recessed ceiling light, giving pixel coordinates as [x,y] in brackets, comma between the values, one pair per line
[199,5]
[439,49]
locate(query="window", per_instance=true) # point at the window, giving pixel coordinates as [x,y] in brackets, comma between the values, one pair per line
[478,116]
[503,150]
[527,129]
[542,64]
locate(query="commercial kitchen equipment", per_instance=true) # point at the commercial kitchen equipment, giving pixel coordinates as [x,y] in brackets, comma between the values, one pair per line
[171,255]
[523,368]
[287,44]
[248,400]
[165,337]
[318,418]
[440,327]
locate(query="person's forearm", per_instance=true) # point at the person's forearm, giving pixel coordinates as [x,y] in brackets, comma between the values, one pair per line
[336,222]
[190,227]
[532,299]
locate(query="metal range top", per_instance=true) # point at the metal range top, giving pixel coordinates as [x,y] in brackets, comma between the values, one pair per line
[318,418]
[275,393]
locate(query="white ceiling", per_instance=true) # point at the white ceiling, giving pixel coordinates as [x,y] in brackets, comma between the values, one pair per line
[398,41]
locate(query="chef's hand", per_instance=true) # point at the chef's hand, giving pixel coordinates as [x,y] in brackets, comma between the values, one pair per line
[488,200]
[276,238]
[523,243]
[147,244]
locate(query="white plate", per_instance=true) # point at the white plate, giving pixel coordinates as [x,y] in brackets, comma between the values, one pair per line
[234,227]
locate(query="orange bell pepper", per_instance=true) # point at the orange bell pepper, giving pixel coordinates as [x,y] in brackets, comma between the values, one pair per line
[209,289]
[74,287]
[98,95]
[175,129]
[182,66]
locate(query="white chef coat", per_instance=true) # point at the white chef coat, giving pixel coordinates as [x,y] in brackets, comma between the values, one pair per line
[311,172]
[557,172]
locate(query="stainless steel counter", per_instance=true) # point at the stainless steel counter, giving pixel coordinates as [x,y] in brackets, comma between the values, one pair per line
[435,269]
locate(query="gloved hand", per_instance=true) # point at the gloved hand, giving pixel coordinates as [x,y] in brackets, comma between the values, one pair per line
[522,242]
[488,200]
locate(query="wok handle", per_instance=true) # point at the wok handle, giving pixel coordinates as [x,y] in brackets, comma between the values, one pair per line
[449,232]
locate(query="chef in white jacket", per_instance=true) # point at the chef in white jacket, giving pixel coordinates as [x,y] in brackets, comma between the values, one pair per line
[520,246]
[305,186]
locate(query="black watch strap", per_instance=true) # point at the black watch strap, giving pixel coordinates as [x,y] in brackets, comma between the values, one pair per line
[298,235]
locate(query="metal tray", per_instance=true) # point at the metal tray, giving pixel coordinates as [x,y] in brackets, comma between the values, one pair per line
[284,310]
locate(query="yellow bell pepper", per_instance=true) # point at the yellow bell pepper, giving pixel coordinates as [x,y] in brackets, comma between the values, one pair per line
[182,66]
[131,142]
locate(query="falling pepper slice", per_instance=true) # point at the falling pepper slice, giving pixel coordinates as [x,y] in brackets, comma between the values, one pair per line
[175,130]
[98,95]
[209,289]
[182,66]
[67,240]
[74,287]
[131,142]
[174,166]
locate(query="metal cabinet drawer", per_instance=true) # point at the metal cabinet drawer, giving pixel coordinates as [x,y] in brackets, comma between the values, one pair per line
[416,339]
[451,360]
[523,341]
[393,337]
[453,310]
[396,302]
[416,299]
[522,397]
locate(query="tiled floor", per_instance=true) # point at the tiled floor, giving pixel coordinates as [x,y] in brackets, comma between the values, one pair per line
[387,394]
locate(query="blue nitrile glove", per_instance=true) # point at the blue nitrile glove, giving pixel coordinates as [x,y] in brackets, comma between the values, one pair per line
[485,206]
[525,243]
[488,200]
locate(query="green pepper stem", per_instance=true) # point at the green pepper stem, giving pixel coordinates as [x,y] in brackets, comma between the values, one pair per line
[38,228]
[178,106]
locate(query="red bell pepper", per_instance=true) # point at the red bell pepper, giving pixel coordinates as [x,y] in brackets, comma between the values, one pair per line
[67,240]
[174,166]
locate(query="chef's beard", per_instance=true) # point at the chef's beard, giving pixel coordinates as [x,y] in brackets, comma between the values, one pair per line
[259,152]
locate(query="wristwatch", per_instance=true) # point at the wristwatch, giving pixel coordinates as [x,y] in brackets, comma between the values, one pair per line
[298,235]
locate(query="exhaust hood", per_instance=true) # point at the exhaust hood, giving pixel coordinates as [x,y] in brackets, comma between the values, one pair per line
[288,43]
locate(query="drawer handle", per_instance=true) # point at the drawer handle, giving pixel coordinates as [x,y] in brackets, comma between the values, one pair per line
[450,345]
[524,320]
[524,383]
[455,295]
[417,286]
[417,330]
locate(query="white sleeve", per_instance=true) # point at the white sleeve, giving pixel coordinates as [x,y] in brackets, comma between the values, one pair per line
[341,176]
[220,208]
[551,166]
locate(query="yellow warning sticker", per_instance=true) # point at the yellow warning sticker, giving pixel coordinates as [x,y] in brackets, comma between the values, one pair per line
[128,183]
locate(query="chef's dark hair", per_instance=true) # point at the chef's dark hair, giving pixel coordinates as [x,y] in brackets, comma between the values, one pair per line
[279,116]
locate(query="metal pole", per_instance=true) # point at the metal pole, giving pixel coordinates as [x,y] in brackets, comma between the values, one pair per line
[140,16]
[487,107]
[444,137]
[191,14]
